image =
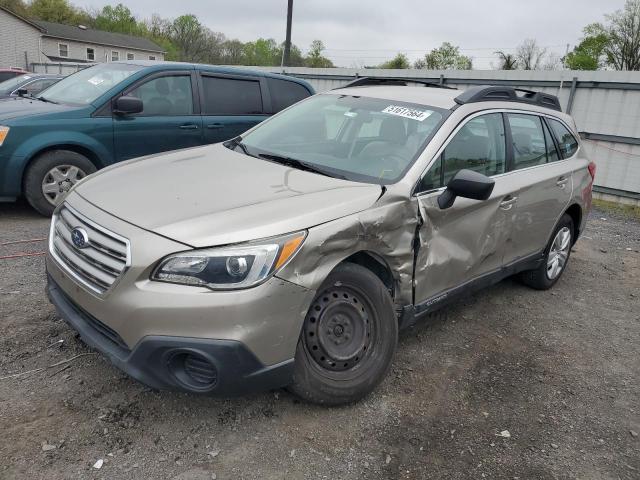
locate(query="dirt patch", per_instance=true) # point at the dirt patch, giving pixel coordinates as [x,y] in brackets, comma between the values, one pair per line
[558,370]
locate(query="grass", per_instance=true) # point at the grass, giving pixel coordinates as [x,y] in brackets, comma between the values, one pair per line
[619,208]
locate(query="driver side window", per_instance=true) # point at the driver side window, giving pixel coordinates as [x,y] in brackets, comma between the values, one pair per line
[479,146]
[166,96]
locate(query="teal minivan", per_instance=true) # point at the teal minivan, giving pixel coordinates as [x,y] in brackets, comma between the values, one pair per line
[116,111]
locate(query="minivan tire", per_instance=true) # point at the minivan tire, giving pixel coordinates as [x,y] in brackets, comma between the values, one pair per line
[41,166]
[539,278]
[355,304]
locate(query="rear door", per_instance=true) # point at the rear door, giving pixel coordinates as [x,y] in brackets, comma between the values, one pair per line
[467,241]
[170,119]
[543,180]
[231,104]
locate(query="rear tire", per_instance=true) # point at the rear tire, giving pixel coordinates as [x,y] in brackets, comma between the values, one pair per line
[348,339]
[51,175]
[556,257]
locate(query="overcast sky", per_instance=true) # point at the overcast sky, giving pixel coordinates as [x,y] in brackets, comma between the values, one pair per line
[361,32]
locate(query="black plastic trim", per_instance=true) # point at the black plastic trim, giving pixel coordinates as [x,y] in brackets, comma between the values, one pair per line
[396,81]
[411,313]
[239,371]
[493,93]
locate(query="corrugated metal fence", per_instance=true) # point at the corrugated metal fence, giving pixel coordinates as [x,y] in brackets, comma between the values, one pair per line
[605,106]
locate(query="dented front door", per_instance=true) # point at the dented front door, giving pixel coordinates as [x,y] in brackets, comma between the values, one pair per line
[461,243]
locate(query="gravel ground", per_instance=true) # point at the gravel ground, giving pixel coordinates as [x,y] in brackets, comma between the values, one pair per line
[509,383]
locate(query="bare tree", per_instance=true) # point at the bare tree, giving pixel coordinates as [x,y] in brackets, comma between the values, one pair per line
[623,30]
[530,55]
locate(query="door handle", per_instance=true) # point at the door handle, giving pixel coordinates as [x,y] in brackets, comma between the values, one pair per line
[562,181]
[215,125]
[508,202]
[189,126]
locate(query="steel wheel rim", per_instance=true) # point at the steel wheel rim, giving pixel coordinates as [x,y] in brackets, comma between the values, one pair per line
[337,331]
[559,253]
[59,180]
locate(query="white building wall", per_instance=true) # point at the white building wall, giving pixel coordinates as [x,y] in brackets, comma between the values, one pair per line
[78,51]
[19,42]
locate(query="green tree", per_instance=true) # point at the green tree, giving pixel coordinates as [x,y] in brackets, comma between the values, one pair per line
[315,59]
[262,52]
[189,37]
[445,57]
[622,50]
[399,61]
[16,6]
[589,54]
[58,11]
[508,61]
[118,19]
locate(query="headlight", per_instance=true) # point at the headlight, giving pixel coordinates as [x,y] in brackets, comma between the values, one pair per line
[4,131]
[231,267]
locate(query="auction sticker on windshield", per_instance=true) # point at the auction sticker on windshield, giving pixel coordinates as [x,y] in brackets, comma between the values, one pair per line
[411,113]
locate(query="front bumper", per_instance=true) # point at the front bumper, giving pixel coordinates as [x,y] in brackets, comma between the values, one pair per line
[158,360]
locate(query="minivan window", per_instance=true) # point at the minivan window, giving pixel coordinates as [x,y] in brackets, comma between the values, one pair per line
[529,147]
[479,146]
[566,141]
[231,96]
[325,131]
[168,95]
[87,85]
[285,93]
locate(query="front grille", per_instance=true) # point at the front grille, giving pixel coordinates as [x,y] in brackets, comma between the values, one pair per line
[100,263]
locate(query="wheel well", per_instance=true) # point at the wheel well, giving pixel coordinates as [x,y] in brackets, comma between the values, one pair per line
[575,212]
[93,158]
[375,264]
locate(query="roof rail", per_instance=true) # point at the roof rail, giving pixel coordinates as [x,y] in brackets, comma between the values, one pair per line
[370,81]
[488,93]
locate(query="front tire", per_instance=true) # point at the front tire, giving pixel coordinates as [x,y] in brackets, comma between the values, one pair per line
[556,257]
[51,175]
[348,339]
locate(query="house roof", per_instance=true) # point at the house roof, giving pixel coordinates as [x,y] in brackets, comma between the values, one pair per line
[89,35]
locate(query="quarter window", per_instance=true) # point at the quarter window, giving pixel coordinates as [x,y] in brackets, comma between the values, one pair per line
[231,96]
[63,50]
[529,146]
[91,54]
[479,146]
[566,141]
[552,152]
[170,95]
[285,93]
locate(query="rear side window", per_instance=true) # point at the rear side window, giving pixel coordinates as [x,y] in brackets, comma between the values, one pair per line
[479,146]
[285,93]
[566,141]
[231,96]
[529,146]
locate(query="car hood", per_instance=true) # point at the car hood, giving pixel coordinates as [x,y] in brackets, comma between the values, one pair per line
[12,107]
[209,196]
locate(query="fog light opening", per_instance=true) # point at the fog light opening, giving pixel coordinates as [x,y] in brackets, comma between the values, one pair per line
[193,371]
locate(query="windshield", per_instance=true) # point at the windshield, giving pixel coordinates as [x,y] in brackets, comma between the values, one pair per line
[87,85]
[358,138]
[10,85]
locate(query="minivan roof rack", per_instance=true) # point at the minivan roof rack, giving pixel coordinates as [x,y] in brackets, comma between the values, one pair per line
[371,81]
[489,93]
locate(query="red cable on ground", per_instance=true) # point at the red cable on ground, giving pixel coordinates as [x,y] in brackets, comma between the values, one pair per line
[18,255]
[33,240]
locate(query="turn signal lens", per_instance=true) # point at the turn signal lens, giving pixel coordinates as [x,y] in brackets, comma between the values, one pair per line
[4,131]
[288,249]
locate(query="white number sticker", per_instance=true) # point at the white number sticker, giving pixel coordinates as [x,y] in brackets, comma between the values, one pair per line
[405,112]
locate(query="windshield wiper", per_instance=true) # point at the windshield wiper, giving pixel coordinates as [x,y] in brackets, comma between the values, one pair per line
[237,142]
[299,164]
[42,99]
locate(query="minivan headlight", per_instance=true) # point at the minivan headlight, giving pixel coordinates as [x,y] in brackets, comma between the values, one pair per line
[231,267]
[4,131]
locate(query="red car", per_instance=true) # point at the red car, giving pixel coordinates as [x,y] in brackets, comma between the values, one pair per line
[7,73]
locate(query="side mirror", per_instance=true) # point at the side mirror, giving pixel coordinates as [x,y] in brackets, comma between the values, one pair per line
[127,105]
[22,92]
[466,184]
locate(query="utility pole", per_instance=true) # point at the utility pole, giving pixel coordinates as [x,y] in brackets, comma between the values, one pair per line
[287,43]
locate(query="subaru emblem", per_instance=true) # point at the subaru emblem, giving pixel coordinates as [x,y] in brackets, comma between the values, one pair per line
[79,237]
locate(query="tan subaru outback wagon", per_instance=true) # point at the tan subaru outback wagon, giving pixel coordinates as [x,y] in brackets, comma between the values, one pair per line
[292,255]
